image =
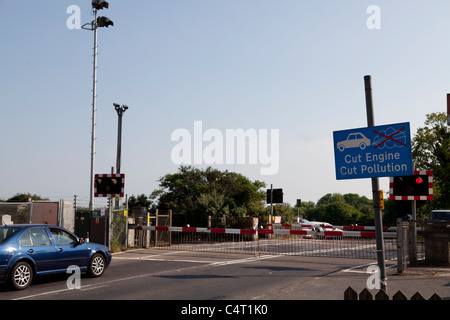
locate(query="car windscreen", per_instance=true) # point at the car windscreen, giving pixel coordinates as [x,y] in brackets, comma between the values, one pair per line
[6,232]
[440,215]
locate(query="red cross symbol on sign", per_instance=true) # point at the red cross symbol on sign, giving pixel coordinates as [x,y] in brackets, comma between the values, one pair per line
[389,137]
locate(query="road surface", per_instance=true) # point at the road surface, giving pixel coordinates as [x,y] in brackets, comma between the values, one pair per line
[149,274]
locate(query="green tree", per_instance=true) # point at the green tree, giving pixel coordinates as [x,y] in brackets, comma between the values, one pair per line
[24,197]
[329,198]
[341,209]
[431,151]
[362,204]
[140,201]
[394,209]
[195,194]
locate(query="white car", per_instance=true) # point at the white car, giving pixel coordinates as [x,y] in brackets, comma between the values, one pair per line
[354,140]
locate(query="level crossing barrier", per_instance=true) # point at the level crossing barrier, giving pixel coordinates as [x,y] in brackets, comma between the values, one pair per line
[329,227]
[305,241]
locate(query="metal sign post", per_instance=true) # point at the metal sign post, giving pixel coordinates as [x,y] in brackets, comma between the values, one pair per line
[373,152]
[375,188]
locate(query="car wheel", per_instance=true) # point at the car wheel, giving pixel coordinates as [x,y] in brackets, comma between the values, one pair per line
[97,265]
[21,276]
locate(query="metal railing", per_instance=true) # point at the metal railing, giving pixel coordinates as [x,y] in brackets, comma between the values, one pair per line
[423,243]
[305,241]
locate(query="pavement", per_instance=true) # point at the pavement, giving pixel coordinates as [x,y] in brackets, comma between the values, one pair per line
[425,280]
[426,272]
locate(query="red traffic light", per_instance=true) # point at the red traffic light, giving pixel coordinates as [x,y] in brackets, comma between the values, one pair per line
[418,186]
[109,185]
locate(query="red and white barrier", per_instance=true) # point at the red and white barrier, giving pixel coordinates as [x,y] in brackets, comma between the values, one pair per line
[205,230]
[345,228]
[325,233]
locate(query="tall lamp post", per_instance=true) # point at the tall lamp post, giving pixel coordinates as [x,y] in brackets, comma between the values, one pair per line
[93,26]
[120,111]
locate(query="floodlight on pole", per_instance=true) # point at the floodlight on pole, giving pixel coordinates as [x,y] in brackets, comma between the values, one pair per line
[120,111]
[93,26]
[99,4]
[104,22]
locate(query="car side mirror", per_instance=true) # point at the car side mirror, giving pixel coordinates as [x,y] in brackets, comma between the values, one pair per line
[80,241]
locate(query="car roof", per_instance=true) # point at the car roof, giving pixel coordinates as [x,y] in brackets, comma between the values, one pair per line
[23,226]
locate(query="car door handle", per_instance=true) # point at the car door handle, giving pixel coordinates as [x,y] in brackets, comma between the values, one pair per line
[31,251]
[60,249]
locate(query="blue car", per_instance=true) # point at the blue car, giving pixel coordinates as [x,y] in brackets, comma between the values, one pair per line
[29,250]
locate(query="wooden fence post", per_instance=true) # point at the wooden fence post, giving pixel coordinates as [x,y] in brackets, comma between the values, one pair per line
[417,296]
[381,295]
[399,296]
[365,295]
[435,297]
[350,294]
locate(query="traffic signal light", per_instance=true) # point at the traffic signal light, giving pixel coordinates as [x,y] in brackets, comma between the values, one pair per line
[109,185]
[416,187]
[277,196]
[411,186]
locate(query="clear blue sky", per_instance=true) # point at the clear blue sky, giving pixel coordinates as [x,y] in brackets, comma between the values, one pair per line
[292,65]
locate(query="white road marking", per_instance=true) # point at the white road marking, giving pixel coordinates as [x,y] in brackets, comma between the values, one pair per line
[245,260]
[352,269]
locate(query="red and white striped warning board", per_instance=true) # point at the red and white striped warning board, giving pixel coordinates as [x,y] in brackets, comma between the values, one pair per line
[109,185]
[428,173]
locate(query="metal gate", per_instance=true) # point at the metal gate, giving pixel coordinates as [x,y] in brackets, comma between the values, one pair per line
[145,236]
[162,218]
[307,242]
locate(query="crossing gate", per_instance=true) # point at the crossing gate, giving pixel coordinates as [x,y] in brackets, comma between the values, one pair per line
[302,242]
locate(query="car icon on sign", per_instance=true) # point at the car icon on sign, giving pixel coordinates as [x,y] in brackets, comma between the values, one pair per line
[354,140]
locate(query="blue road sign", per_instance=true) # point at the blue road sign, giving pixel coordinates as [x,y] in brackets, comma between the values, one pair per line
[370,152]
